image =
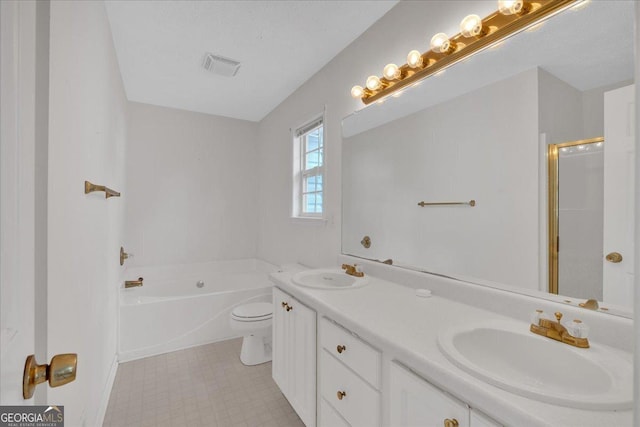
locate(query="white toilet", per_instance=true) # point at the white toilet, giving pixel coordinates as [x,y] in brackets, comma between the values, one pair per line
[253,321]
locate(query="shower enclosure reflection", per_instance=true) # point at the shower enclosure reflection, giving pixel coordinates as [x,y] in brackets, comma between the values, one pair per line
[576,215]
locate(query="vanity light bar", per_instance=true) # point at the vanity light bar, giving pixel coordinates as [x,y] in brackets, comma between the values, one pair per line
[475,35]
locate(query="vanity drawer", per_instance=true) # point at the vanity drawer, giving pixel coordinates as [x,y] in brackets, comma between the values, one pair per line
[351,350]
[360,404]
[329,417]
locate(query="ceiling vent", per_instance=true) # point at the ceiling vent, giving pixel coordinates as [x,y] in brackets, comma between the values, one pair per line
[220,65]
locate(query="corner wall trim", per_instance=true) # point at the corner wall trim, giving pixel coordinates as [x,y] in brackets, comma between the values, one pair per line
[106,393]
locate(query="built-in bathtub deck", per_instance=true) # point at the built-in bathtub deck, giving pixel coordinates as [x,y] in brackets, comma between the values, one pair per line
[187,305]
[200,386]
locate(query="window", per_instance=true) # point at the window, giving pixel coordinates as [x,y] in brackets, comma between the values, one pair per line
[309,169]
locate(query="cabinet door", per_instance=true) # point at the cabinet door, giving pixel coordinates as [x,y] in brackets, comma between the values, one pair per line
[302,365]
[329,417]
[478,419]
[415,402]
[280,347]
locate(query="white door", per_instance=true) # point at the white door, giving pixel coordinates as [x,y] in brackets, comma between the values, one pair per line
[618,196]
[17,221]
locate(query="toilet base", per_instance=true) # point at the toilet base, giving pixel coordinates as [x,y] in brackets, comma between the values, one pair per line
[255,350]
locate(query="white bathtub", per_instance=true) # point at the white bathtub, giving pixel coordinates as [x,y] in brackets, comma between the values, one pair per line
[170,312]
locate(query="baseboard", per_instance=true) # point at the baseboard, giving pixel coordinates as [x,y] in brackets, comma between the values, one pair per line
[130,356]
[106,393]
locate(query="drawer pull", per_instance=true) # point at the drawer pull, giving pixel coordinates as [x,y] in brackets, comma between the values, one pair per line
[342,394]
[451,422]
[341,348]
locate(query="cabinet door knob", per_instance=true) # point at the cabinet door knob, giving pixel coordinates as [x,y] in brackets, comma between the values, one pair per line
[614,257]
[341,394]
[341,348]
[451,422]
[284,304]
[289,308]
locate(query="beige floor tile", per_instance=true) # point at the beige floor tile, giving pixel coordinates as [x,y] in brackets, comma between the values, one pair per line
[199,386]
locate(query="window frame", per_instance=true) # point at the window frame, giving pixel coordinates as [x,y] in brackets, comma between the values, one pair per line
[301,173]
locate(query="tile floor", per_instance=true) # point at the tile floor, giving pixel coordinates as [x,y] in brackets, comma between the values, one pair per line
[200,386]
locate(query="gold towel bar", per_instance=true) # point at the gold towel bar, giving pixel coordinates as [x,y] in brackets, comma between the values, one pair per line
[90,188]
[471,203]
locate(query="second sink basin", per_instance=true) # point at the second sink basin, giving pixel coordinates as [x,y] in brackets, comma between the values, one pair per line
[507,355]
[328,279]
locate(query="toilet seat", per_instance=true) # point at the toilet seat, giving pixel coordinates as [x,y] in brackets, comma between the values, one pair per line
[253,312]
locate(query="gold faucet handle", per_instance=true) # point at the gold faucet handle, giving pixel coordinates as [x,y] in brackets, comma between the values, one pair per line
[558,316]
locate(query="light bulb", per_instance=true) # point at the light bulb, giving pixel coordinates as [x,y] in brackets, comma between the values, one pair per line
[414,59]
[510,7]
[440,43]
[471,26]
[373,83]
[357,91]
[391,72]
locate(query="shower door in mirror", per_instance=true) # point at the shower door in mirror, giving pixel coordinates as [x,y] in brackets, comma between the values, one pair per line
[576,212]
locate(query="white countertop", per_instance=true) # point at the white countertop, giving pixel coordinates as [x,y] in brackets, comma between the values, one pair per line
[392,318]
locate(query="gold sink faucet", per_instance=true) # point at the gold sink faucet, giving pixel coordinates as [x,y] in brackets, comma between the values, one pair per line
[133,283]
[352,270]
[556,331]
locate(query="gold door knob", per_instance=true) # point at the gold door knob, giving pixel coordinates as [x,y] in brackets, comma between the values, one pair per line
[448,422]
[341,348]
[61,371]
[614,257]
[341,394]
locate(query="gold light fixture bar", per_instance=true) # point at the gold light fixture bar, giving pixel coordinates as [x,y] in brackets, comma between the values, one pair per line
[494,28]
[90,188]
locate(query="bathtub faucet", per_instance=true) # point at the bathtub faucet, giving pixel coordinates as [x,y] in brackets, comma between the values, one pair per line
[133,283]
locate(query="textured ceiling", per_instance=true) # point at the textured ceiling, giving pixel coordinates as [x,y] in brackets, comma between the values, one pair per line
[161,44]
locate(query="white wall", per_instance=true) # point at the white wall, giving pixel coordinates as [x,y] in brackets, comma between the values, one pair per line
[192,187]
[87,136]
[429,156]
[560,108]
[593,109]
[280,238]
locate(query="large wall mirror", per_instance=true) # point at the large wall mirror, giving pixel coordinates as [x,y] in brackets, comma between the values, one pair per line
[482,131]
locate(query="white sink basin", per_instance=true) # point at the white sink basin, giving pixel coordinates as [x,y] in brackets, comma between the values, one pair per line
[328,279]
[508,356]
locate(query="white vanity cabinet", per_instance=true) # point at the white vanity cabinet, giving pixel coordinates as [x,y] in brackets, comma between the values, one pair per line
[294,354]
[349,375]
[415,402]
[478,419]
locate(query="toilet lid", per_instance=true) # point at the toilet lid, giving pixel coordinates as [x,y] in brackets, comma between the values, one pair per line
[253,311]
